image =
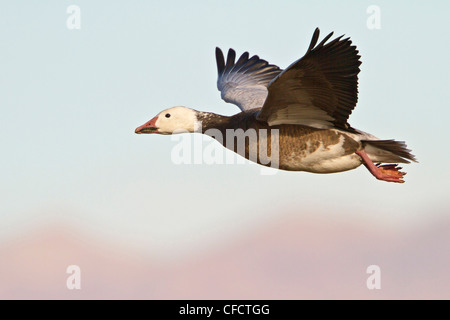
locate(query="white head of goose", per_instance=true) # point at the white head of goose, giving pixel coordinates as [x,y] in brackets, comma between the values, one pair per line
[307,105]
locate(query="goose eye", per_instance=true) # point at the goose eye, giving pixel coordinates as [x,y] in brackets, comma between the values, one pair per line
[167,115]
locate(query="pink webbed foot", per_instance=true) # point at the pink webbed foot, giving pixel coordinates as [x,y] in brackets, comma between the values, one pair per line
[387,172]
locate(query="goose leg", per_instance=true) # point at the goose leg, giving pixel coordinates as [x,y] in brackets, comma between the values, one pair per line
[387,172]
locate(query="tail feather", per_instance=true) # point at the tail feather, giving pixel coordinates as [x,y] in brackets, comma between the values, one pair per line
[388,151]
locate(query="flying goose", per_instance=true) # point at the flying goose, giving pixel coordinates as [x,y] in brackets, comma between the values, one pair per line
[303,108]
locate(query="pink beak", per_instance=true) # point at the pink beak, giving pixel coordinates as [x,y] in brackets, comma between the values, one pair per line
[148,127]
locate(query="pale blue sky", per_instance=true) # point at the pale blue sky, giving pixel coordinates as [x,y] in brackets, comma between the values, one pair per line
[71,99]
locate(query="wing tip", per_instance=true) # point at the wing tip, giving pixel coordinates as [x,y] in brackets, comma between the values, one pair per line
[231,57]
[314,39]
[220,61]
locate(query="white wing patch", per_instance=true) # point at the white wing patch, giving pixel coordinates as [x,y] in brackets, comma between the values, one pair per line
[303,115]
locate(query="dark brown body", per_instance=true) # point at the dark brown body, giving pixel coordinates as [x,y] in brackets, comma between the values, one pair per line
[287,147]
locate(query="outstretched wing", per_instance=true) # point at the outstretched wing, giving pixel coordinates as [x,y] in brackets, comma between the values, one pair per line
[244,83]
[319,90]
